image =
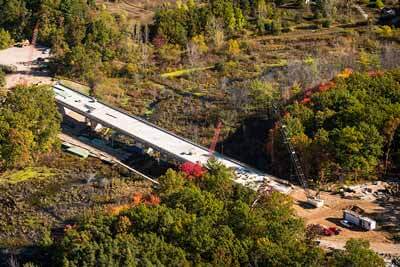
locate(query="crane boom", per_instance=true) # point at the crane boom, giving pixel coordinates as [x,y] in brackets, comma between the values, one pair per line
[311,199]
[215,138]
[295,159]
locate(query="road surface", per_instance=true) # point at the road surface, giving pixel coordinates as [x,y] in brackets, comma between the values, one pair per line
[158,138]
[25,61]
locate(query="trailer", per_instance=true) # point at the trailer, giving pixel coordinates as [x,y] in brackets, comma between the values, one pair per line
[359,220]
[315,202]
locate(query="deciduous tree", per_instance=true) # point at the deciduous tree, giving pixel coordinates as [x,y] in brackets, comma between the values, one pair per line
[29,123]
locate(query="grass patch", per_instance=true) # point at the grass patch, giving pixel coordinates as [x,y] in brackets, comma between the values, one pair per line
[76,86]
[183,72]
[149,112]
[33,223]
[37,173]
[280,63]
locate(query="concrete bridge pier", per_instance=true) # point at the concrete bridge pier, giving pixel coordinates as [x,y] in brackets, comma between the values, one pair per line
[62,110]
[177,148]
[94,125]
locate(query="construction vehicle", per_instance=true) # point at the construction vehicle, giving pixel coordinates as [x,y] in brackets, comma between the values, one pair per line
[196,170]
[214,142]
[359,220]
[323,230]
[313,200]
[329,231]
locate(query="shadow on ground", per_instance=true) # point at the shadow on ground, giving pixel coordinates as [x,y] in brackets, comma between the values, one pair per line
[388,219]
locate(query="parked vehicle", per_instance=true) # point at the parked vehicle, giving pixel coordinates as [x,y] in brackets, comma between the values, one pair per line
[347,224]
[359,220]
[319,229]
[331,231]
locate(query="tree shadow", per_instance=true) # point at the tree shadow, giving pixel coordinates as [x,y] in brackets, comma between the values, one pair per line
[247,144]
[388,219]
[305,205]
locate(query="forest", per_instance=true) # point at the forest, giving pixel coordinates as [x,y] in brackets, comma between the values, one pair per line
[349,127]
[208,221]
[118,58]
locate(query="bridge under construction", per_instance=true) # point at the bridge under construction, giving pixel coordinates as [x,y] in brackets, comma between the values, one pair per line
[99,114]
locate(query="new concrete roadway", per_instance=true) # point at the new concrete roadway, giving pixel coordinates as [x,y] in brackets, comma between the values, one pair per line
[159,139]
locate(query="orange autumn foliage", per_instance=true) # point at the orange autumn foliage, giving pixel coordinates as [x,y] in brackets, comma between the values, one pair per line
[152,200]
[345,73]
[137,198]
[375,73]
[115,210]
[326,86]
[305,100]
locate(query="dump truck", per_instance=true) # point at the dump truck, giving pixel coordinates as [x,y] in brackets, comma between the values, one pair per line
[359,220]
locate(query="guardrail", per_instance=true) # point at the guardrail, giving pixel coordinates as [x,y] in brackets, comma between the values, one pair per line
[216,154]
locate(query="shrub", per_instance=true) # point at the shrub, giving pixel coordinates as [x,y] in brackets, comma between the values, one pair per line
[233,48]
[170,53]
[5,39]
[379,4]
[326,23]
[2,79]
[396,238]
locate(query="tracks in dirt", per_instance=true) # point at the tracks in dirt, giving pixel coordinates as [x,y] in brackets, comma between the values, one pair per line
[133,10]
[302,35]
[128,3]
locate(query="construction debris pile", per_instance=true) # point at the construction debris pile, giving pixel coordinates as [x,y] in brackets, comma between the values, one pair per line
[371,191]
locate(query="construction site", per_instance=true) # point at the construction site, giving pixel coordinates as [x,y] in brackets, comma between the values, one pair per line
[378,201]
[271,108]
[375,202]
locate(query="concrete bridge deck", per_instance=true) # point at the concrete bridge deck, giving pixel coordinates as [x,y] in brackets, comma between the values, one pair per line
[158,138]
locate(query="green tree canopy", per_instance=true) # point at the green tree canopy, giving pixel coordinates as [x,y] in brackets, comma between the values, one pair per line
[5,39]
[358,254]
[29,124]
[345,125]
[2,80]
[195,224]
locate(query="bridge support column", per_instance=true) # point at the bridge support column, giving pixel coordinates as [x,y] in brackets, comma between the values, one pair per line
[114,135]
[94,125]
[62,110]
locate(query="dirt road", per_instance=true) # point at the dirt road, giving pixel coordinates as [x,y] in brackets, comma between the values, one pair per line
[331,214]
[379,247]
[27,61]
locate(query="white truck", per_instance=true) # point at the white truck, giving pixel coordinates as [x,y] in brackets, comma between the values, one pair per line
[359,220]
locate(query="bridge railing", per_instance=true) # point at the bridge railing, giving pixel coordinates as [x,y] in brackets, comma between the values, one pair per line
[215,154]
